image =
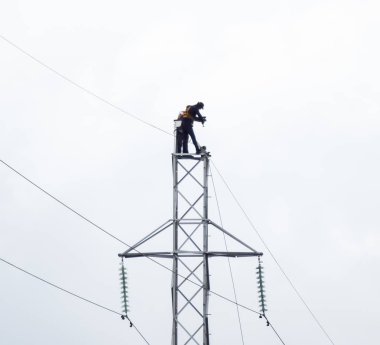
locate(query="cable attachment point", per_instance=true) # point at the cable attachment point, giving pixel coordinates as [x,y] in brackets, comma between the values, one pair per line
[124,289]
[126,317]
[261,288]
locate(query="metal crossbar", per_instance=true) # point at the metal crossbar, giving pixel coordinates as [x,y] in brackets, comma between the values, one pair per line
[192,272]
[188,173]
[192,338]
[189,334]
[189,236]
[192,205]
[189,301]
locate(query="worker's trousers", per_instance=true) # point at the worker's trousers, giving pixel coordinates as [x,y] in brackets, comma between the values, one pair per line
[187,130]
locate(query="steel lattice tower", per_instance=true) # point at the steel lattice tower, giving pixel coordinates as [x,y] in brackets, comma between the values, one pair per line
[190,248]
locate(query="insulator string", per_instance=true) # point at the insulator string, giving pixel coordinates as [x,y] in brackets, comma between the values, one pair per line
[124,287]
[261,288]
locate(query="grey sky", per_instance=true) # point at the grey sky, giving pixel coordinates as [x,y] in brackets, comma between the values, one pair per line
[291,93]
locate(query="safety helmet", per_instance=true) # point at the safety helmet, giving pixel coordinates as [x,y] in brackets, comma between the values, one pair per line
[200,105]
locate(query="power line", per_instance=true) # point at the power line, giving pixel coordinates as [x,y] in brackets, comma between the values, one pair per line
[232,278]
[116,238]
[74,83]
[273,257]
[229,261]
[63,204]
[274,330]
[75,295]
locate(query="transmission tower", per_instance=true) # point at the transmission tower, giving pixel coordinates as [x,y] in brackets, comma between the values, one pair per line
[191,251]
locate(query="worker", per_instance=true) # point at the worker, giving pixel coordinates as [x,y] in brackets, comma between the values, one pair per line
[188,117]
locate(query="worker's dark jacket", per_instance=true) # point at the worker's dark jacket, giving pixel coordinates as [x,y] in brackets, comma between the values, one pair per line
[192,114]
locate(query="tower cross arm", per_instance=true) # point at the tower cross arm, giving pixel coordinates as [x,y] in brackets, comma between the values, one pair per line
[154,233]
[164,255]
[234,254]
[235,238]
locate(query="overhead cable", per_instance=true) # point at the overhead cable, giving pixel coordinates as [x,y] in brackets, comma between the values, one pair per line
[76,295]
[74,83]
[232,278]
[273,257]
[229,260]
[274,330]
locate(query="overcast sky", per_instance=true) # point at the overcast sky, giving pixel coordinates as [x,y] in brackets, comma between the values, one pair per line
[291,92]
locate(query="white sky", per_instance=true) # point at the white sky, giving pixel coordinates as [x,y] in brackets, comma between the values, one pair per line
[291,92]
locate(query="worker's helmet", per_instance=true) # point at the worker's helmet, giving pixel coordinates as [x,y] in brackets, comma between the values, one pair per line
[200,105]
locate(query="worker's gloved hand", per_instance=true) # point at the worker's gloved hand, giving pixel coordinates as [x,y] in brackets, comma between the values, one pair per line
[203,119]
